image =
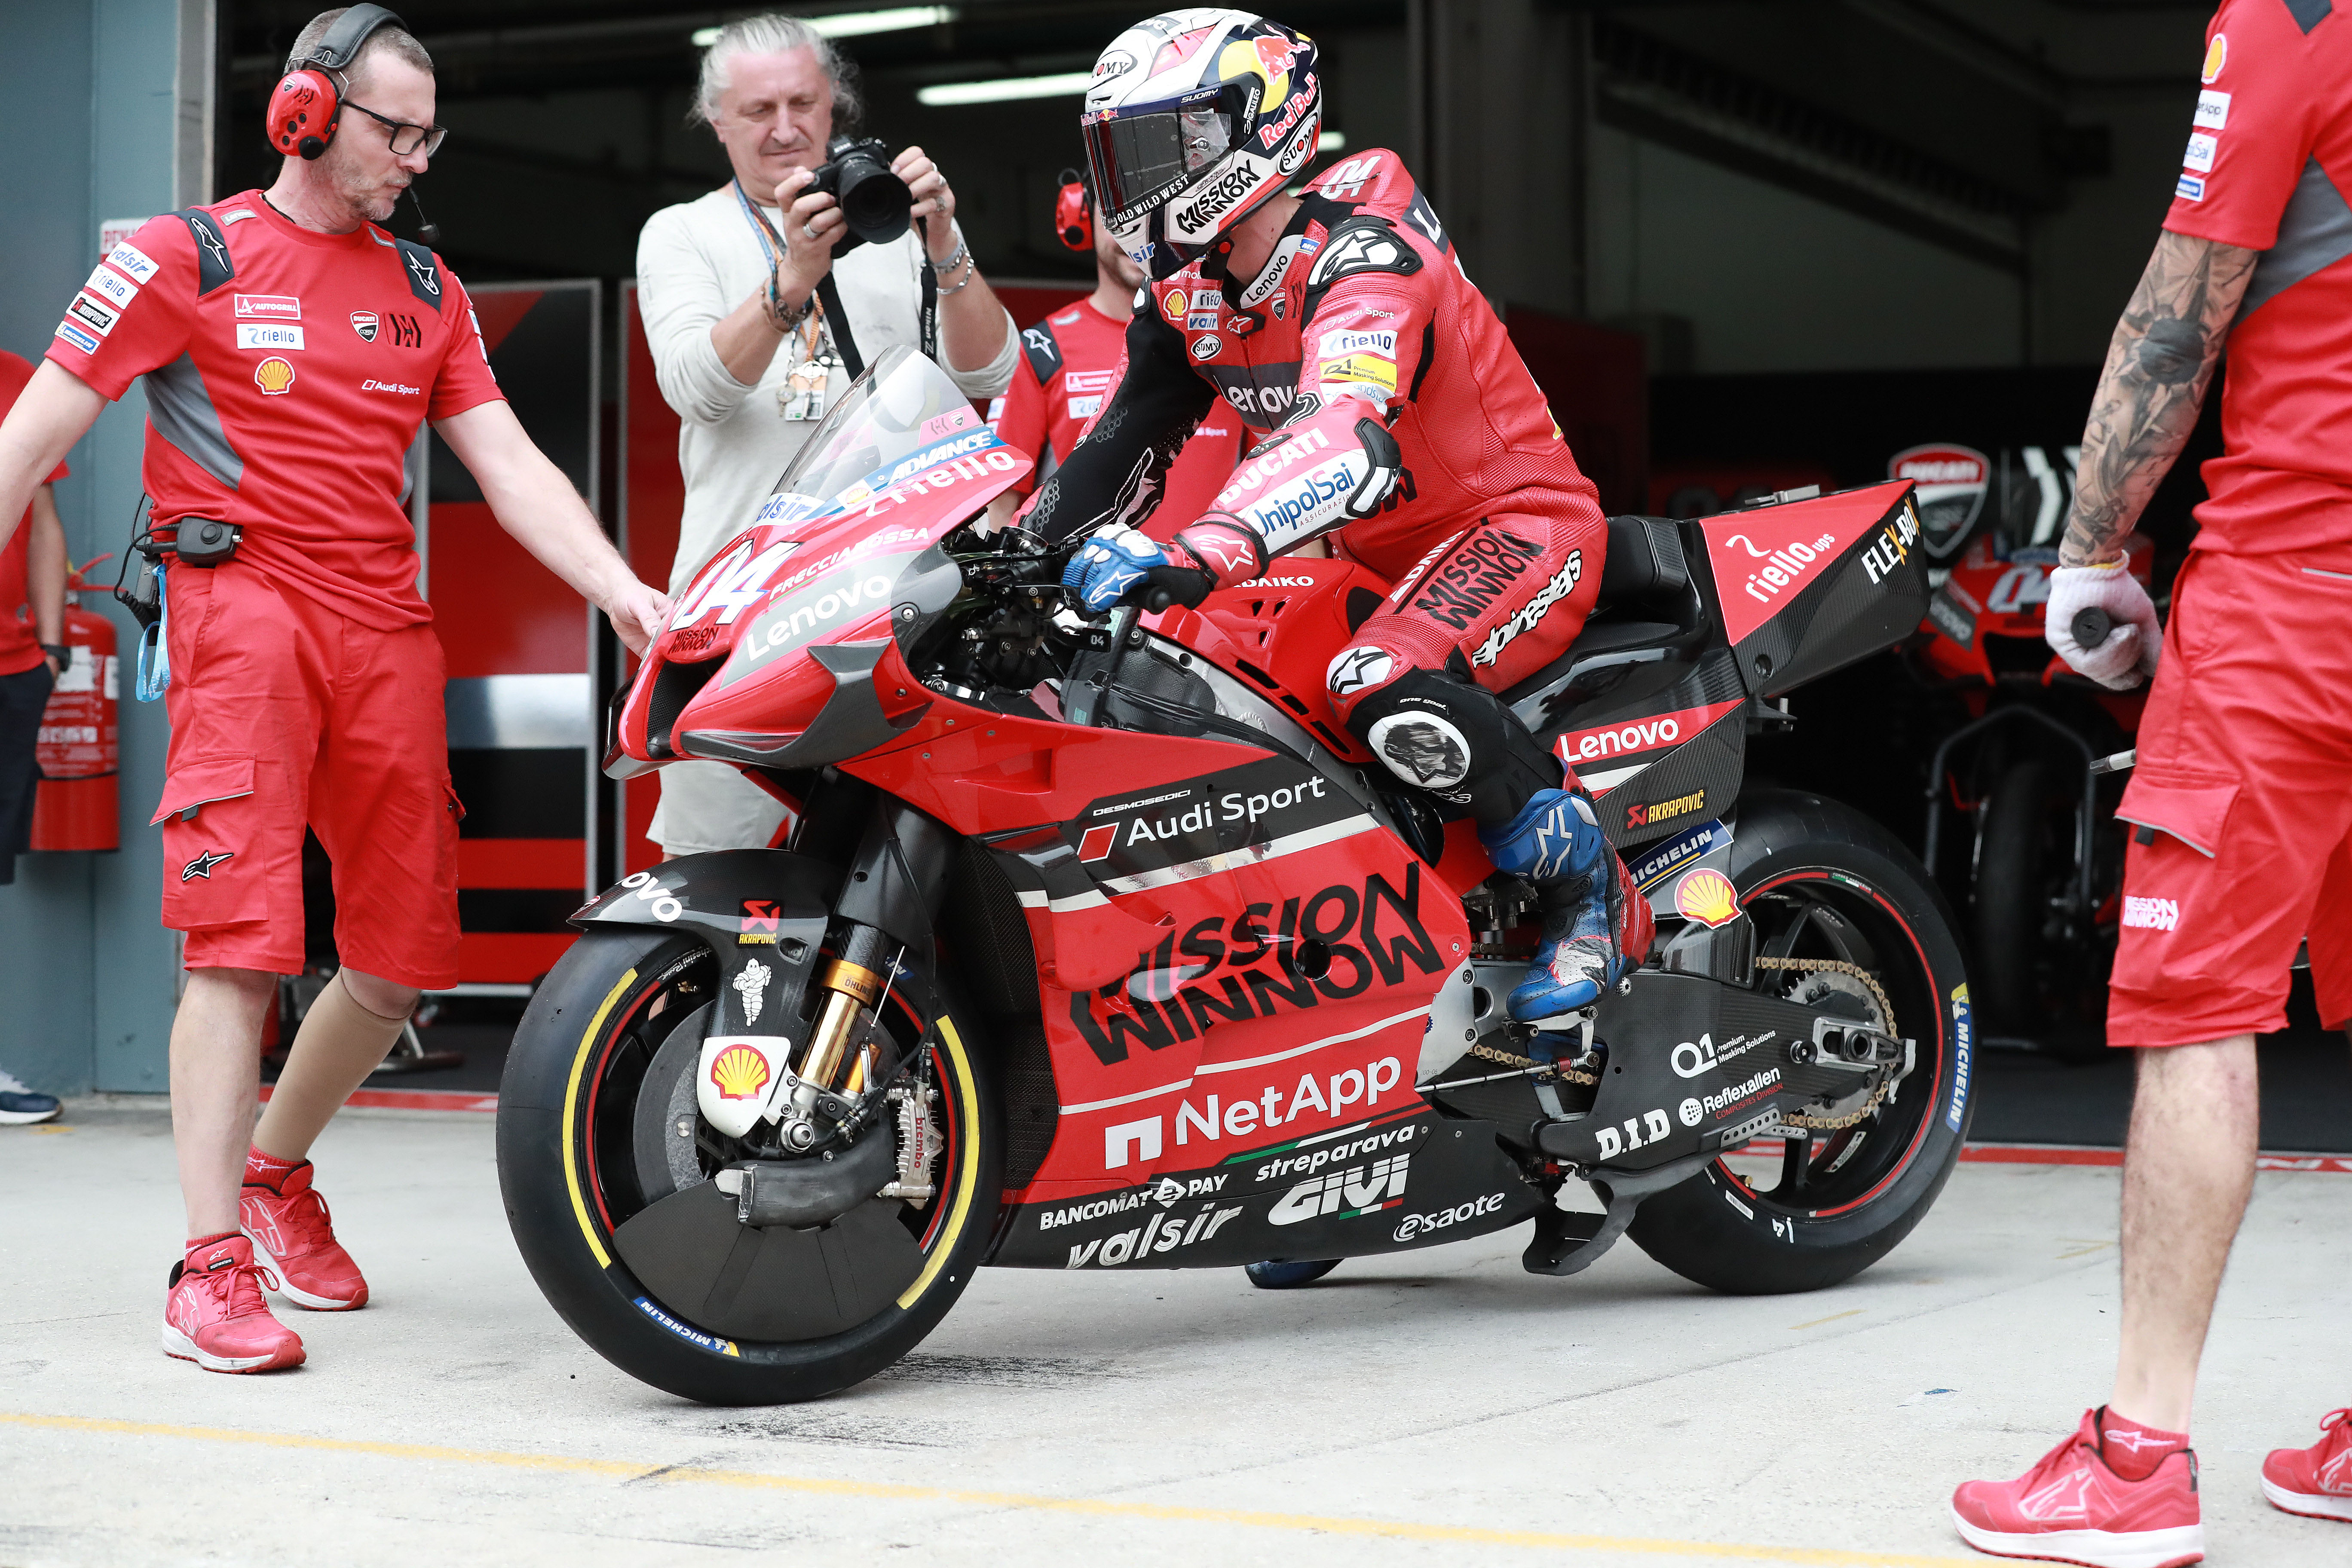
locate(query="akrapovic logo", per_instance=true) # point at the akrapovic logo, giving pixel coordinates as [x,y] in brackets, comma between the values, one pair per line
[2152,914]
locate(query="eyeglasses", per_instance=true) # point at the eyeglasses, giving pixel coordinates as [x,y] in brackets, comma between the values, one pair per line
[405,138]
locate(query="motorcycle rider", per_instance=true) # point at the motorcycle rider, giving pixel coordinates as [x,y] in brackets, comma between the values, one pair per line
[1388,411]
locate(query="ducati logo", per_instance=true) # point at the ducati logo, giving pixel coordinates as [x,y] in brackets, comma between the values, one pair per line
[363,322]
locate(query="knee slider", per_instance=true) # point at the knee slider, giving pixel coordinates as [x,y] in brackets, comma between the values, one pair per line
[1457,741]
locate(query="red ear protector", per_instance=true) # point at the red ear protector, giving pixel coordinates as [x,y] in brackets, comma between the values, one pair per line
[307,105]
[1074,212]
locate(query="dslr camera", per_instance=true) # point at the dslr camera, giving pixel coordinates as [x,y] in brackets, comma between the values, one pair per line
[875,203]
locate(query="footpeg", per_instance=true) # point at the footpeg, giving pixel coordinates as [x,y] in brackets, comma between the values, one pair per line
[1568,1243]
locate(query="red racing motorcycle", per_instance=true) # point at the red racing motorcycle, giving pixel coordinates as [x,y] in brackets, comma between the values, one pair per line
[1100,944]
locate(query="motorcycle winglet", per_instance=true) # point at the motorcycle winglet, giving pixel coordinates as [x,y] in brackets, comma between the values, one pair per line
[1569,1243]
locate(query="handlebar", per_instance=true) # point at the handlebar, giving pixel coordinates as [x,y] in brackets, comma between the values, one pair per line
[2091,626]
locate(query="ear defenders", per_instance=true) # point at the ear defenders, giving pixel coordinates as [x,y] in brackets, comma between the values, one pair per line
[1074,212]
[307,103]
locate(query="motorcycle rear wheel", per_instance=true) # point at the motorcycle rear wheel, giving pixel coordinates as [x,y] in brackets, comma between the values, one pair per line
[1824,882]
[571,1177]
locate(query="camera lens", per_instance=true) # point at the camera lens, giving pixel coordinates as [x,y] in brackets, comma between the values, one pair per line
[876,204]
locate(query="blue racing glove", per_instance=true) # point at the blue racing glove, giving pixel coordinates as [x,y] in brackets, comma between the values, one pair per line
[1122,565]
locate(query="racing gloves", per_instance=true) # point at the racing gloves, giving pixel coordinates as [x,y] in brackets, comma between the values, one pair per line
[2128,655]
[1120,564]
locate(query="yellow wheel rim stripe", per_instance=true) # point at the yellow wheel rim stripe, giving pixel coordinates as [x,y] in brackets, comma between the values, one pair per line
[570,1109]
[967,1179]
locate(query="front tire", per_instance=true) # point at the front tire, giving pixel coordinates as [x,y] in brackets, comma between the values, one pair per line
[571,1175]
[1824,883]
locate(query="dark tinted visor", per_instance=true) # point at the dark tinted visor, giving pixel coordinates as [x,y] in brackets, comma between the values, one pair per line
[1140,156]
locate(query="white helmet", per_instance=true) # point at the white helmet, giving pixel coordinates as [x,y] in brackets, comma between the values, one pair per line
[1193,119]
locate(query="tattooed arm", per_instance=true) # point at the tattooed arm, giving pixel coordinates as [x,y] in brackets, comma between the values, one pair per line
[2159,363]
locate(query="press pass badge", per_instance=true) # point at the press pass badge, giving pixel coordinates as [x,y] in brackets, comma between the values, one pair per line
[803,394]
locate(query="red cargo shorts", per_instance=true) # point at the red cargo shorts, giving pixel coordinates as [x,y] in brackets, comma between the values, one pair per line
[284,711]
[2242,804]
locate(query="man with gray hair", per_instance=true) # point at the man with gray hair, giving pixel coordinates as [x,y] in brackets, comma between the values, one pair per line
[748,354]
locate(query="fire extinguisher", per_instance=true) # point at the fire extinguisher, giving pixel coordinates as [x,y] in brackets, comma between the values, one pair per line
[79,748]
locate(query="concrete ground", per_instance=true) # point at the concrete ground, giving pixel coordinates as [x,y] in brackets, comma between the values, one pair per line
[1445,1408]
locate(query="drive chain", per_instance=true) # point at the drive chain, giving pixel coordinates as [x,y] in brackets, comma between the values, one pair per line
[1565,1074]
[1886,1017]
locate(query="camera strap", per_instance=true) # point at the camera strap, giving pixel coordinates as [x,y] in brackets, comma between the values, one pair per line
[836,322]
[929,320]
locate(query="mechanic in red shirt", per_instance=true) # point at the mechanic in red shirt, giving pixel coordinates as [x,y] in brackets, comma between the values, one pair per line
[291,350]
[1390,413]
[2241,838]
[1067,363]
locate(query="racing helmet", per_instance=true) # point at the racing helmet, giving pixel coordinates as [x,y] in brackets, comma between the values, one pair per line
[1193,119]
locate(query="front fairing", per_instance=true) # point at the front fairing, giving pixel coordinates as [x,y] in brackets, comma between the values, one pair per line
[845,550]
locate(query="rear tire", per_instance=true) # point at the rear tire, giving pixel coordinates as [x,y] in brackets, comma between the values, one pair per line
[1821,881]
[565,1109]
[2011,901]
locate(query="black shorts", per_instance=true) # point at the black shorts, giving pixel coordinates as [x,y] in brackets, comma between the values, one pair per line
[23,697]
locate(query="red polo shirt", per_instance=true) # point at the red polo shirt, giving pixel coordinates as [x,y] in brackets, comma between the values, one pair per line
[288,374]
[2268,167]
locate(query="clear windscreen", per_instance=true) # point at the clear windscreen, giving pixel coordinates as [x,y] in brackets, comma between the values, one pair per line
[902,407]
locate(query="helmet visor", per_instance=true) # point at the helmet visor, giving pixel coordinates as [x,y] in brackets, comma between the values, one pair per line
[1139,160]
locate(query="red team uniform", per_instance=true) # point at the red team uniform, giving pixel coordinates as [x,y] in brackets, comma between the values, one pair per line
[288,375]
[2243,839]
[1493,538]
[1068,362]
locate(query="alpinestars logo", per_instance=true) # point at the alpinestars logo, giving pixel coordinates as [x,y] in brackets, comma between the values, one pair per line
[1563,583]
[1345,1193]
[2061,1498]
[201,865]
[2152,914]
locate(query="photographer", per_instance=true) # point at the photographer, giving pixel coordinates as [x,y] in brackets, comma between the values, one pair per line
[760,303]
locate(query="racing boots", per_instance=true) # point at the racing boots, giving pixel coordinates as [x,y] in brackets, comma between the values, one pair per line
[1556,844]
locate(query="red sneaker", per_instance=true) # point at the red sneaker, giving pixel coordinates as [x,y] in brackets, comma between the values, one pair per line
[294,1234]
[2316,1482]
[2070,1507]
[216,1316]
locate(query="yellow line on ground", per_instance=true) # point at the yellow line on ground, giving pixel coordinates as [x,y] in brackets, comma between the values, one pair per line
[1396,1530]
[1833,1316]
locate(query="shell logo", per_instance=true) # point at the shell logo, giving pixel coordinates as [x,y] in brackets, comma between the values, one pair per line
[2217,55]
[274,376]
[1708,897]
[739,1072]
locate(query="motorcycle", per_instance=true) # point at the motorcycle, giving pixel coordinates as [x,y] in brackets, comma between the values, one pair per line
[1100,943]
[2038,865]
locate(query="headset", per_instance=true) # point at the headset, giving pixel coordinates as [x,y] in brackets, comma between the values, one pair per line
[1074,212]
[308,103]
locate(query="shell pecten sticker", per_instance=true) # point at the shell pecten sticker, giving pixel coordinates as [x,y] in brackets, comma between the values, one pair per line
[1708,897]
[739,1072]
[274,376]
[2217,55]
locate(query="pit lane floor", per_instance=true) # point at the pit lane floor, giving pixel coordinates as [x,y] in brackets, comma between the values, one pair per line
[1444,1407]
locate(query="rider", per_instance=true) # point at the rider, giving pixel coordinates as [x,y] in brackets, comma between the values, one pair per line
[1388,410]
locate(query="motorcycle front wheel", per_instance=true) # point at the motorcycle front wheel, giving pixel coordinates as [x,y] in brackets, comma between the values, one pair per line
[1846,920]
[594,1084]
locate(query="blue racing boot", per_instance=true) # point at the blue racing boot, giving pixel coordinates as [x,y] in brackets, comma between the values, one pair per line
[1557,846]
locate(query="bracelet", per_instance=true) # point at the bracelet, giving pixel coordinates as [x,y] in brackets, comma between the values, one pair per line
[782,317]
[970,272]
[961,253]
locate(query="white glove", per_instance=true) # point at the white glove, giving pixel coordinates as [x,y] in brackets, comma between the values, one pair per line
[2128,655]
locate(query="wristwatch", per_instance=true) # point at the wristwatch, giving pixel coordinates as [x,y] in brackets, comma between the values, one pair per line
[61,652]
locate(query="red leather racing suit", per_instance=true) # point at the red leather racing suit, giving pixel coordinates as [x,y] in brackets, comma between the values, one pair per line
[1390,410]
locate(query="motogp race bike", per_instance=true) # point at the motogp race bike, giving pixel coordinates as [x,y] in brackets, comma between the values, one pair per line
[1100,944]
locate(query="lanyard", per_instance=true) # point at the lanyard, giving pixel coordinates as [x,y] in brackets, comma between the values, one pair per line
[771,246]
